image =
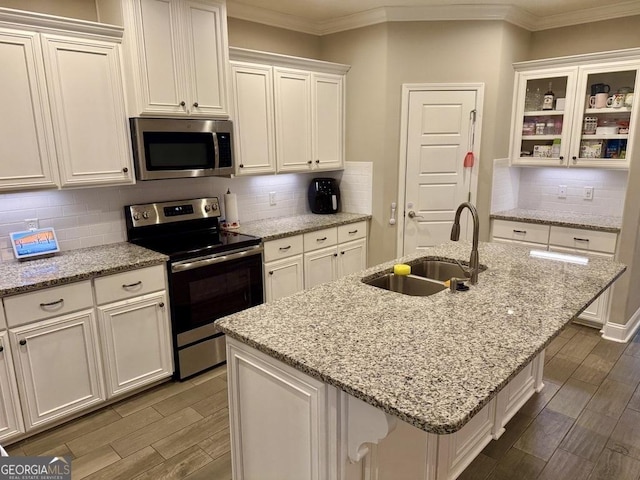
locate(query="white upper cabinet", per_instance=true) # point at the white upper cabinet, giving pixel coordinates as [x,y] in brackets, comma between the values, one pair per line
[176,55]
[288,113]
[590,120]
[87,104]
[26,137]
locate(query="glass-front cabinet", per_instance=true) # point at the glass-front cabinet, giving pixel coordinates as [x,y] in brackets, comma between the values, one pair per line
[581,115]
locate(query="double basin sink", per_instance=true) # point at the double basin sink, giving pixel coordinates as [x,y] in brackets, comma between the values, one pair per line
[427,278]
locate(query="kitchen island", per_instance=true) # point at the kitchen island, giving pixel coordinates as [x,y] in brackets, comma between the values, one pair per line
[316,376]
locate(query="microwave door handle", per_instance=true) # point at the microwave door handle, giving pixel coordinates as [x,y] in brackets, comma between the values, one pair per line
[216,151]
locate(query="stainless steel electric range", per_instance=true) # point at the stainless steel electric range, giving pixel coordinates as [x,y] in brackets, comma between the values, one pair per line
[212,273]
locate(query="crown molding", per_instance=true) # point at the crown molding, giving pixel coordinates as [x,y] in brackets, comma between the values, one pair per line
[54,24]
[269,58]
[514,15]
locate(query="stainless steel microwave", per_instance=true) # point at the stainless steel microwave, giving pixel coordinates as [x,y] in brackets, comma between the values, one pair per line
[181,148]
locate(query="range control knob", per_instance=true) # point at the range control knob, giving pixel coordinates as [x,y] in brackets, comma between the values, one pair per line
[207,208]
[136,216]
[215,206]
[145,215]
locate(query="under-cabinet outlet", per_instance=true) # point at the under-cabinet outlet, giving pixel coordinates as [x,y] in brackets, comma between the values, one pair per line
[272,198]
[562,191]
[588,193]
[32,223]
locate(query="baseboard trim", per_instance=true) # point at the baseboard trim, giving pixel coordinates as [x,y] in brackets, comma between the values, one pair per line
[622,333]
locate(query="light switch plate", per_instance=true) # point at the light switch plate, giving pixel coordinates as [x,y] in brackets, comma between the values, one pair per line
[562,191]
[588,193]
[272,198]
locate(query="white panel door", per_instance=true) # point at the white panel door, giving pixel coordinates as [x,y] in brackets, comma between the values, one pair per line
[436,181]
[327,107]
[352,257]
[10,414]
[136,342]
[27,153]
[205,31]
[292,94]
[284,277]
[58,367]
[255,142]
[320,266]
[87,104]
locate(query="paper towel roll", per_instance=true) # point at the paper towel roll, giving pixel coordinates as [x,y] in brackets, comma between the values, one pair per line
[231,210]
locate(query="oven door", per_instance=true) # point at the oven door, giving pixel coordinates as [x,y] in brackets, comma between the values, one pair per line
[204,290]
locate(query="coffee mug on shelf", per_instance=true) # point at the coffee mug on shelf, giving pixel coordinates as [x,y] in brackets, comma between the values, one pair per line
[616,100]
[599,100]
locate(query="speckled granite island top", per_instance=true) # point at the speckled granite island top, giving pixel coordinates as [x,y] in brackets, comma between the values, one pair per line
[431,361]
[74,265]
[273,228]
[562,219]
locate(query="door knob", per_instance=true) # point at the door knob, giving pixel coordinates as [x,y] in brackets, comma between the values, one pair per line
[412,214]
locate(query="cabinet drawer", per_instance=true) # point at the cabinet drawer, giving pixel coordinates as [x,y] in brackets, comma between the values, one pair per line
[352,231]
[282,247]
[521,231]
[320,238]
[129,284]
[33,306]
[587,240]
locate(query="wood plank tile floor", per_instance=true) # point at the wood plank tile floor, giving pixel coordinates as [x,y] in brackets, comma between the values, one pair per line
[584,425]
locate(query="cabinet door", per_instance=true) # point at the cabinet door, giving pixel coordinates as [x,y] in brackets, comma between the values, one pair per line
[293,120]
[136,342]
[601,133]
[58,367]
[255,143]
[352,257]
[87,104]
[26,138]
[161,87]
[283,277]
[205,34]
[542,137]
[320,266]
[327,120]
[10,414]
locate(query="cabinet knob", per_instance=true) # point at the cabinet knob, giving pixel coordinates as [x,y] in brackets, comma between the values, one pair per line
[161,304]
[182,104]
[335,254]
[241,166]
[271,272]
[195,104]
[317,161]
[309,162]
[125,169]
[575,160]
[1,348]
[341,253]
[22,342]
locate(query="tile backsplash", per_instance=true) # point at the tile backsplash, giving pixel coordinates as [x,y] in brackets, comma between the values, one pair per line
[94,216]
[537,189]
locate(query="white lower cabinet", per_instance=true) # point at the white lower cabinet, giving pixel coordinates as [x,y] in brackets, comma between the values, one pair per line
[10,413]
[320,266]
[136,342]
[283,277]
[352,257]
[58,367]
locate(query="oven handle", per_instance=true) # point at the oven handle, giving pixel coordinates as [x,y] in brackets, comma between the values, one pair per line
[216,258]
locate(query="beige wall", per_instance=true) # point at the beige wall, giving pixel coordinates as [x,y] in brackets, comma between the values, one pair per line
[255,36]
[587,38]
[82,9]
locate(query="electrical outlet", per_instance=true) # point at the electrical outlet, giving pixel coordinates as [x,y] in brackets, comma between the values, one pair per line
[562,191]
[32,223]
[272,198]
[588,193]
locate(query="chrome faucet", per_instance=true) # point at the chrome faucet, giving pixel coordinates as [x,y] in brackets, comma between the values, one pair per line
[474,261]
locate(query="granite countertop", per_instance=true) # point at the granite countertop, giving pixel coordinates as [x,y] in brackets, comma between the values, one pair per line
[273,228]
[74,265]
[562,219]
[432,361]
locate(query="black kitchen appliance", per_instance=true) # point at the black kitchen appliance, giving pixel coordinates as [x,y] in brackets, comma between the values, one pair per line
[212,273]
[324,195]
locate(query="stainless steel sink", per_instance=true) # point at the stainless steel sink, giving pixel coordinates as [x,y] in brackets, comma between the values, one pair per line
[407,284]
[440,270]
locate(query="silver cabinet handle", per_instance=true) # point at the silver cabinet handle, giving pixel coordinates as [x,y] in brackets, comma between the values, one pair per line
[284,249]
[51,304]
[412,214]
[580,239]
[131,285]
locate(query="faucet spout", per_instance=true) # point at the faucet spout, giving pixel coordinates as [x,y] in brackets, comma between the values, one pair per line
[474,261]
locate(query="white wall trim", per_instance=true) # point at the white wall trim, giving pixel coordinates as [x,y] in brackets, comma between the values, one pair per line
[514,15]
[269,58]
[622,333]
[407,88]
